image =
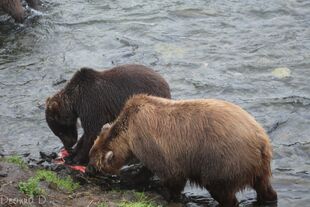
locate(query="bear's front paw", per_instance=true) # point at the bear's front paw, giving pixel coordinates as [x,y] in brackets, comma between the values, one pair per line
[69,160]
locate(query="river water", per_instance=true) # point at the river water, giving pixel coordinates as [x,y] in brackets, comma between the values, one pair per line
[253,53]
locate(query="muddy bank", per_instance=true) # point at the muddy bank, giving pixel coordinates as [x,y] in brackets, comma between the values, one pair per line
[92,191]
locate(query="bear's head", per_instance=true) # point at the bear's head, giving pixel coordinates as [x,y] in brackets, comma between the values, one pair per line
[61,119]
[104,155]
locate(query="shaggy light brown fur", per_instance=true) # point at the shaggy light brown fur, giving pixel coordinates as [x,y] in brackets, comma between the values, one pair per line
[213,143]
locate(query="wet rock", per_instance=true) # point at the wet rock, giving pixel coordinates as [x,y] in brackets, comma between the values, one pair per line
[175,205]
[3,175]
[81,179]
[136,176]
[170,51]
[281,72]
[26,154]
[48,157]
[58,168]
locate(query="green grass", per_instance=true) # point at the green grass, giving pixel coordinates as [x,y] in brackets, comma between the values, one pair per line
[63,183]
[16,159]
[102,205]
[140,196]
[141,200]
[136,204]
[31,186]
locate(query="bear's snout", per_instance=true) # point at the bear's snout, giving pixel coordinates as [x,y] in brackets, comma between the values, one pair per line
[68,144]
[90,169]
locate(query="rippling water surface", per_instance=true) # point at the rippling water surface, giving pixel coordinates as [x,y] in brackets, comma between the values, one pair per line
[253,53]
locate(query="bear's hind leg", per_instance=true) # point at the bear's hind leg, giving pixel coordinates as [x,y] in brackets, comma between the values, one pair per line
[174,187]
[33,3]
[15,9]
[223,197]
[265,192]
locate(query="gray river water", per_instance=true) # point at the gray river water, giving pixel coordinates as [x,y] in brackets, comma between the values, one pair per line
[253,53]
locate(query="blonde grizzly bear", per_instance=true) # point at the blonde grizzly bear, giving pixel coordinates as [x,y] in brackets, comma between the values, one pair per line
[212,143]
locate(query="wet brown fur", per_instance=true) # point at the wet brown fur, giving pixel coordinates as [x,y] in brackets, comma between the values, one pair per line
[15,8]
[213,143]
[97,97]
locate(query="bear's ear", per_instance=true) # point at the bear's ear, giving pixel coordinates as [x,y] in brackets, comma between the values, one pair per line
[96,141]
[108,157]
[105,127]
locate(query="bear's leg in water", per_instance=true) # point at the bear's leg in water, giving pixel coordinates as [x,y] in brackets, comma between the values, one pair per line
[223,196]
[265,192]
[33,3]
[174,186]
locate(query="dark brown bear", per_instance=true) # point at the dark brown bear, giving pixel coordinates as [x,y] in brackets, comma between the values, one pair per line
[15,8]
[97,98]
[215,144]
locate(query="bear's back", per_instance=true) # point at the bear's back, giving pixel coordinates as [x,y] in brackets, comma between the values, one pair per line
[125,79]
[196,135]
[139,78]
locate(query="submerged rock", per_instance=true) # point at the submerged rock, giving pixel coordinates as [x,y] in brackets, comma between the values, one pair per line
[281,72]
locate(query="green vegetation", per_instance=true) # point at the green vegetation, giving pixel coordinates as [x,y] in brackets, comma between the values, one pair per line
[140,196]
[137,204]
[102,205]
[16,159]
[141,201]
[63,183]
[31,187]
